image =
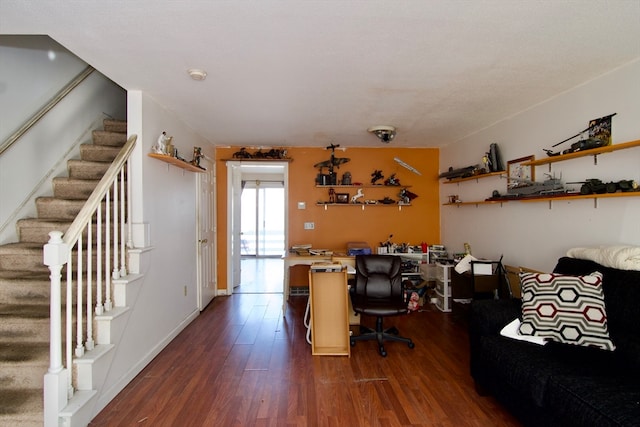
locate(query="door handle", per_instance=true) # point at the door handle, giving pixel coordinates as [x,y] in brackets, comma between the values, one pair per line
[203,241]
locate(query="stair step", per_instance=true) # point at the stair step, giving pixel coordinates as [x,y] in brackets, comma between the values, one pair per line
[81,169]
[112,139]
[23,365]
[24,323]
[98,153]
[73,188]
[21,407]
[33,289]
[37,230]
[114,125]
[76,188]
[22,256]
[52,208]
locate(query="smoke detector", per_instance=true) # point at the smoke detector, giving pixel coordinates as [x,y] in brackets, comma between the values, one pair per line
[197,74]
[384,133]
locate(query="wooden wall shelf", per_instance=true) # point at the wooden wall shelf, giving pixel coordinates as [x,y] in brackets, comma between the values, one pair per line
[553,159]
[257,160]
[568,197]
[177,162]
[476,177]
[363,186]
[592,152]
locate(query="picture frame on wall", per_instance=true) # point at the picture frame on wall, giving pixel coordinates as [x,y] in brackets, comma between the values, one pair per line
[342,197]
[519,174]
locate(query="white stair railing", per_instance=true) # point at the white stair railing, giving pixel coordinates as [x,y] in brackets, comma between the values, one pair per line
[79,259]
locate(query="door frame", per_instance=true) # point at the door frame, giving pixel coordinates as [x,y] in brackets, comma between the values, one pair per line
[234,182]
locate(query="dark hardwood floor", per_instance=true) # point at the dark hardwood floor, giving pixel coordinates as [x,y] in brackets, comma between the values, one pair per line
[240,363]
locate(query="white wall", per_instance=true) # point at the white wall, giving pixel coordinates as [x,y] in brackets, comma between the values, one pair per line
[165,219]
[24,83]
[34,69]
[532,234]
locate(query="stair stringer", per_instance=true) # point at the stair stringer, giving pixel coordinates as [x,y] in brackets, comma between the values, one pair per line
[93,367]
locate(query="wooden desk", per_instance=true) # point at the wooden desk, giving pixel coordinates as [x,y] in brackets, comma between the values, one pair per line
[337,256]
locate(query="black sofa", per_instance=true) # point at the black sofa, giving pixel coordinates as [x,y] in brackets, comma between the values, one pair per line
[562,384]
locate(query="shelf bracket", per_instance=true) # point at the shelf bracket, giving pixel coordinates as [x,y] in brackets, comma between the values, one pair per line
[595,202]
[595,160]
[550,204]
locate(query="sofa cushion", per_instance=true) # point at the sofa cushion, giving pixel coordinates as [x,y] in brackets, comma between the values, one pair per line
[527,367]
[594,400]
[564,308]
[621,293]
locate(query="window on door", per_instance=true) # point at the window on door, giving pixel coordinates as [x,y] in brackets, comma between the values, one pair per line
[262,218]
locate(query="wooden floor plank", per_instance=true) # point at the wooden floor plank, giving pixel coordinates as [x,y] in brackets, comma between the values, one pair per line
[240,363]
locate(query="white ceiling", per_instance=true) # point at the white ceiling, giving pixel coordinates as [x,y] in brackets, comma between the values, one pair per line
[312,73]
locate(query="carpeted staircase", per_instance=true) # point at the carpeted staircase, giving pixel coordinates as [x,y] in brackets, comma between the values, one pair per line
[24,279]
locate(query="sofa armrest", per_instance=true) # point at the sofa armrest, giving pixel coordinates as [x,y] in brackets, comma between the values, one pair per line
[488,317]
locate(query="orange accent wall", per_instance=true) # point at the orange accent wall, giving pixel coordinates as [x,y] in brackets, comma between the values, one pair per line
[338,225]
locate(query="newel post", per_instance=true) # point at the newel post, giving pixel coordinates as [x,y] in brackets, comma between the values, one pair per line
[56,254]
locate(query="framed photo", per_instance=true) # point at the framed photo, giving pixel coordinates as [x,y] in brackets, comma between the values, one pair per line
[342,197]
[519,175]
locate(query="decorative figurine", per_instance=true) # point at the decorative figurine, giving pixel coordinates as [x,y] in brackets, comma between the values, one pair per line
[376,176]
[357,196]
[242,154]
[197,155]
[330,164]
[161,144]
[392,180]
[346,178]
[332,195]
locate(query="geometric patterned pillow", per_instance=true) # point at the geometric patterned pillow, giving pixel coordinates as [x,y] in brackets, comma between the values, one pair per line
[567,309]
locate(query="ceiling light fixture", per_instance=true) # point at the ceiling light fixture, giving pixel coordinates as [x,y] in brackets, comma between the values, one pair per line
[197,75]
[384,133]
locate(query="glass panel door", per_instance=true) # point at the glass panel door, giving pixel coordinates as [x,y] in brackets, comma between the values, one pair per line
[262,219]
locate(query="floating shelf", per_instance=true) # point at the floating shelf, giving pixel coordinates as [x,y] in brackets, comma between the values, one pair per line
[479,202]
[362,186]
[257,160]
[568,197]
[591,152]
[177,162]
[365,205]
[476,177]
[583,196]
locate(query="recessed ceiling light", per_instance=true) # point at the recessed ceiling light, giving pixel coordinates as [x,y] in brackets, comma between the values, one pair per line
[197,74]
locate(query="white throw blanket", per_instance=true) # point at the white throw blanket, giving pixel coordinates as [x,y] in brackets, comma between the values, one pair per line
[620,257]
[512,331]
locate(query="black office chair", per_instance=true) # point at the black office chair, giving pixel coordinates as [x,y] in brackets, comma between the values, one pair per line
[378,291]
